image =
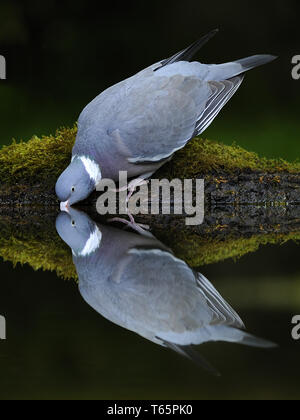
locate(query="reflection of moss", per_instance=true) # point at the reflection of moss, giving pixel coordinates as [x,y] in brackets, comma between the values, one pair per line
[46,255]
[36,245]
[39,245]
[41,160]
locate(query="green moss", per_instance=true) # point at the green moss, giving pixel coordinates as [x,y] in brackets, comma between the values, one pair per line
[34,241]
[206,156]
[41,160]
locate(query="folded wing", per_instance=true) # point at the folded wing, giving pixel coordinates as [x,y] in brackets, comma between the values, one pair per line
[170,112]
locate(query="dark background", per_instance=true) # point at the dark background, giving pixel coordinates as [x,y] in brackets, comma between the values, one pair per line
[58,347]
[60,55]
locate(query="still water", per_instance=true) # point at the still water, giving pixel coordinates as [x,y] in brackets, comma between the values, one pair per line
[97,321]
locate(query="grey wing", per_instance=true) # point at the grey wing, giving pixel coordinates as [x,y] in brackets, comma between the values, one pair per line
[168,297]
[163,113]
[223,91]
[159,116]
[156,291]
[223,312]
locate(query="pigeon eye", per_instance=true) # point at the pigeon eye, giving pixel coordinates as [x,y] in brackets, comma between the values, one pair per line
[73,189]
[73,223]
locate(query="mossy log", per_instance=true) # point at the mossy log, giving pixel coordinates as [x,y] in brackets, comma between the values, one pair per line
[250,201]
[28,235]
[29,170]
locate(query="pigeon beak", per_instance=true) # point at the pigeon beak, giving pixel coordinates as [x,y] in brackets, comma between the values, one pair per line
[64,206]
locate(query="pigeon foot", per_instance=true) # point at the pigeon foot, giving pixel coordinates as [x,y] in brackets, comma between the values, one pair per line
[138,227]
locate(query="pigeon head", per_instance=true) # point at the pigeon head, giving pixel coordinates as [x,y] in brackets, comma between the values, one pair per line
[78,181]
[79,232]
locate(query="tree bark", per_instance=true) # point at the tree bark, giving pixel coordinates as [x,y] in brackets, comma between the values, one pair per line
[239,188]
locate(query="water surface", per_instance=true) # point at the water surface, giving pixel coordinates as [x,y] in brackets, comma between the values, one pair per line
[58,346]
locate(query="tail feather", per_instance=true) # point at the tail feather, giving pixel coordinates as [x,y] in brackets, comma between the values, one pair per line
[252,341]
[234,335]
[249,63]
[225,71]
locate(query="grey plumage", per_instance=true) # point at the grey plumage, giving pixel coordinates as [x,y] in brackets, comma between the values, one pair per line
[138,124]
[136,282]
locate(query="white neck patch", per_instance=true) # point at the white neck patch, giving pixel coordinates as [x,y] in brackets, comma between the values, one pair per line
[92,244]
[92,168]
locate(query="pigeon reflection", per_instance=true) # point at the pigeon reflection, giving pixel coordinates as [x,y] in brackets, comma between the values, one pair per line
[136,282]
